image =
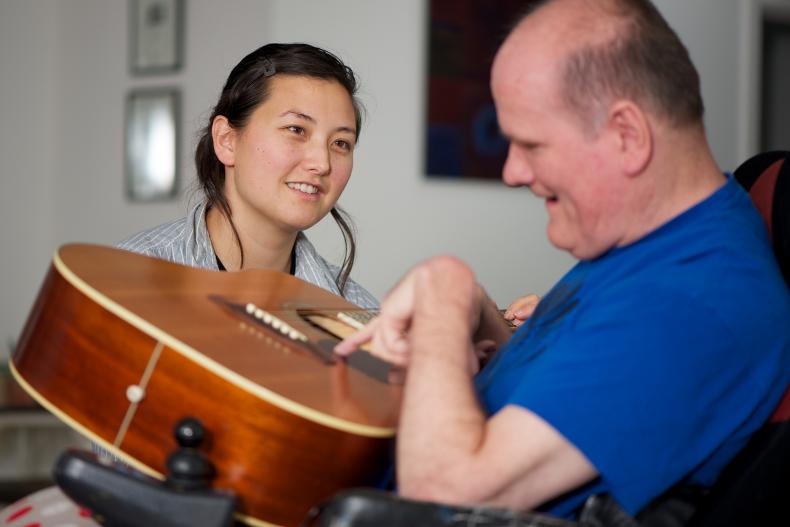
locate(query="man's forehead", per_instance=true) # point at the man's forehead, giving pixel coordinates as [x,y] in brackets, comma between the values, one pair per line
[524,62]
[537,48]
[562,26]
[533,45]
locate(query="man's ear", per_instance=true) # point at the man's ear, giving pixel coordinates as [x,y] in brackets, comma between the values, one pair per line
[224,137]
[633,135]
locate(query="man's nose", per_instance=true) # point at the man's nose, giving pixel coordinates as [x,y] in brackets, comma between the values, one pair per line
[516,172]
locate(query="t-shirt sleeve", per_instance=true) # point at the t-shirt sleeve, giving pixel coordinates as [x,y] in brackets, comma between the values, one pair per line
[645,401]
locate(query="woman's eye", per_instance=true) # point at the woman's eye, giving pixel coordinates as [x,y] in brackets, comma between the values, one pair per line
[345,145]
[296,129]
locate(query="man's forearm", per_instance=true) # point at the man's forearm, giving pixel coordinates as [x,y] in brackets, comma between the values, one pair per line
[442,425]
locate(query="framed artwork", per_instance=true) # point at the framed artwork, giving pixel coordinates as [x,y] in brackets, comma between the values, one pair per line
[151,144]
[463,138]
[775,80]
[156,36]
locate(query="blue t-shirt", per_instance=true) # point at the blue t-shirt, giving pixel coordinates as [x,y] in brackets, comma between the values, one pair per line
[659,359]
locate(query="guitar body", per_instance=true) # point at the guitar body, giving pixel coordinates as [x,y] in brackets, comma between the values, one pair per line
[122,346]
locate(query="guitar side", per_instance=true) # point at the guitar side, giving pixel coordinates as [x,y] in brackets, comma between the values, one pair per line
[111,346]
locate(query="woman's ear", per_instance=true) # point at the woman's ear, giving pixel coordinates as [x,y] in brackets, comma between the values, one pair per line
[633,134]
[224,137]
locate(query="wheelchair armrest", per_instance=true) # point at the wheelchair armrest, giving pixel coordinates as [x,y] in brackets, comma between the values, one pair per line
[123,497]
[375,508]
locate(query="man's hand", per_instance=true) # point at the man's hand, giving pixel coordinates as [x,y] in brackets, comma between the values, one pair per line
[433,287]
[387,334]
[521,309]
[492,331]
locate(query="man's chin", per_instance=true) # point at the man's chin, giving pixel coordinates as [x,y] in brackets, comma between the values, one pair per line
[559,241]
[576,249]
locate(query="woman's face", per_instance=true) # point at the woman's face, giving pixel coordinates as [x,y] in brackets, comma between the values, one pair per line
[288,166]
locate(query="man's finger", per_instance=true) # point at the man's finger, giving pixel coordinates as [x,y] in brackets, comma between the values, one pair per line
[352,343]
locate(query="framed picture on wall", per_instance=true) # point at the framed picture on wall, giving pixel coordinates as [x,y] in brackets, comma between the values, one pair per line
[156,36]
[463,140]
[151,144]
[775,106]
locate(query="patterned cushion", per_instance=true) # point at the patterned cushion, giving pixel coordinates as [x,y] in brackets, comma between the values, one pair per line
[46,508]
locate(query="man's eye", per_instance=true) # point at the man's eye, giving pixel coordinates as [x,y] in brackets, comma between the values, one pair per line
[527,146]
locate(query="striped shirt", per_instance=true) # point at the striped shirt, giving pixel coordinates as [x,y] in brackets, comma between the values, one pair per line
[186,242]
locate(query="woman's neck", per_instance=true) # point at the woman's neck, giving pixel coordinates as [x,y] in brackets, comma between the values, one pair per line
[263,248]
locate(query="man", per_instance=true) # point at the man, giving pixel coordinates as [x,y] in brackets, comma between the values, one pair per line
[656,357]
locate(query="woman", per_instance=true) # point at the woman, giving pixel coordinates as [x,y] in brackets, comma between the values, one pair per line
[272,161]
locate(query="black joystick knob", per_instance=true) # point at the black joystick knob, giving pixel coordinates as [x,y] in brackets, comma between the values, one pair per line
[189,468]
[189,432]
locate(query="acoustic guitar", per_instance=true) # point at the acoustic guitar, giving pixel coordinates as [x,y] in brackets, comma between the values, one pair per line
[121,346]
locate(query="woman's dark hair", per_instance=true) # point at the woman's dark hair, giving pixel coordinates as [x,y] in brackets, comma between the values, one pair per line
[247,88]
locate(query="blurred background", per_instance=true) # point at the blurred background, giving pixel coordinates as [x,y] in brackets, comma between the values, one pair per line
[65,78]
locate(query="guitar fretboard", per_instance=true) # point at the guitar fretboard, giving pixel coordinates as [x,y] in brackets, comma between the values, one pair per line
[358,319]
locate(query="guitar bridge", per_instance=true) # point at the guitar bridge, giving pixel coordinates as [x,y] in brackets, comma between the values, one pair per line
[264,317]
[267,320]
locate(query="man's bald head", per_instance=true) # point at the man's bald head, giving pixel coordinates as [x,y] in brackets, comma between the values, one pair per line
[615,49]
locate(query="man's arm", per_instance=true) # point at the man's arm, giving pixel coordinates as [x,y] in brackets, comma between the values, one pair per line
[448,450]
[519,462]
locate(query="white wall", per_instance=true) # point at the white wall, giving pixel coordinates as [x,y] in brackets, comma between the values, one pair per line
[27,139]
[64,77]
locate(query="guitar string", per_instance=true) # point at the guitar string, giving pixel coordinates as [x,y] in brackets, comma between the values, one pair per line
[149,370]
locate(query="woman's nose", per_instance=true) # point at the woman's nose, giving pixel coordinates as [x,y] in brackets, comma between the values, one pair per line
[317,159]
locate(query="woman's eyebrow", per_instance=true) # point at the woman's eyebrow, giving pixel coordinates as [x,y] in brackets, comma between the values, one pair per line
[298,114]
[306,117]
